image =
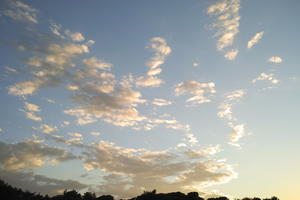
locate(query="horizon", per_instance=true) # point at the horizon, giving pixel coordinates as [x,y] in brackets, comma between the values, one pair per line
[118,97]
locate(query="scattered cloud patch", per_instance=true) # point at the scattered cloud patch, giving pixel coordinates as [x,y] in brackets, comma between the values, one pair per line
[162,50]
[255,39]
[267,77]
[18,11]
[161,102]
[275,59]
[231,55]
[198,90]
[227,22]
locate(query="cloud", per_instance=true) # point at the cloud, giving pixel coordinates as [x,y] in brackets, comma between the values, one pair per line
[225,111]
[94,133]
[117,108]
[95,63]
[32,116]
[227,22]
[75,134]
[44,128]
[266,76]
[195,64]
[255,39]
[197,89]
[275,59]
[32,107]
[30,154]
[128,170]
[238,131]
[161,102]
[75,36]
[161,50]
[231,55]
[18,11]
[39,183]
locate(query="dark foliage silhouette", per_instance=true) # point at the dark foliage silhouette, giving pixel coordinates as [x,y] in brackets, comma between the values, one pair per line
[8,192]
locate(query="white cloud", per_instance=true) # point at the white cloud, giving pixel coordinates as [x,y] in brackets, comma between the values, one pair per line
[255,39]
[275,59]
[231,55]
[266,76]
[95,63]
[195,64]
[162,50]
[32,116]
[11,69]
[197,89]
[75,134]
[94,133]
[238,131]
[75,36]
[19,11]
[161,102]
[225,111]
[32,107]
[227,23]
[44,128]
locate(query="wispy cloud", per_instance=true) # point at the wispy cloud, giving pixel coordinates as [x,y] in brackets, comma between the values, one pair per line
[231,55]
[31,109]
[161,102]
[227,22]
[198,90]
[225,111]
[267,77]
[18,11]
[162,50]
[255,39]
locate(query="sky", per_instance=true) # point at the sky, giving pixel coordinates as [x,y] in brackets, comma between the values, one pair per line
[121,97]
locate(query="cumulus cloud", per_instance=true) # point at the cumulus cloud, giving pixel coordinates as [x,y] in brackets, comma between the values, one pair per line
[75,36]
[231,55]
[255,39]
[29,154]
[267,77]
[161,102]
[275,59]
[227,22]
[18,11]
[198,90]
[161,50]
[163,170]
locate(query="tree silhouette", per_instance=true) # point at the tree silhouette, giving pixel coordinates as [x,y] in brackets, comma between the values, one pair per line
[8,192]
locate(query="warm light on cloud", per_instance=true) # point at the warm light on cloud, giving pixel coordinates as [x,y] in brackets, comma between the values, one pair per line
[227,21]
[231,55]
[199,90]
[275,59]
[255,39]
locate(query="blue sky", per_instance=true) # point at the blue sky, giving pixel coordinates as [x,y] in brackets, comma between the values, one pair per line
[120,97]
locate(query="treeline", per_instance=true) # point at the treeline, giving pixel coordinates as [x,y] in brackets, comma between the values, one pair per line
[7,192]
